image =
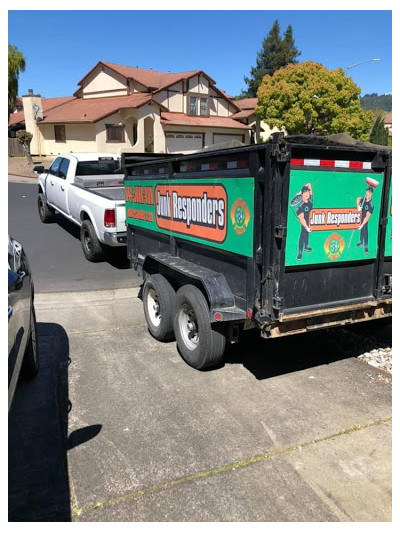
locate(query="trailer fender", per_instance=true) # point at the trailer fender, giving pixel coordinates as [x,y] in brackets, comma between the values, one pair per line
[214,285]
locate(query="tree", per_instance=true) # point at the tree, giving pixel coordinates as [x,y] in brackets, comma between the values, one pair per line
[379,134]
[275,53]
[25,138]
[16,64]
[309,98]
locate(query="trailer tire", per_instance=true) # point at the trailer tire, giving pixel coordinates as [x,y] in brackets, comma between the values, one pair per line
[158,303]
[199,344]
[46,213]
[91,246]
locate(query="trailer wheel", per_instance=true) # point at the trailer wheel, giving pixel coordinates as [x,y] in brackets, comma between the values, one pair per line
[91,246]
[46,213]
[158,303]
[200,346]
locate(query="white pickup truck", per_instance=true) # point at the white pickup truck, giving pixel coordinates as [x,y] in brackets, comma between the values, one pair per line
[86,188]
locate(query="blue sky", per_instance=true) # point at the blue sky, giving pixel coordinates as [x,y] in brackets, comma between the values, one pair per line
[60,47]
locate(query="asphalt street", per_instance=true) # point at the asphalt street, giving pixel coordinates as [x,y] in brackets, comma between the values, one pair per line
[54,250]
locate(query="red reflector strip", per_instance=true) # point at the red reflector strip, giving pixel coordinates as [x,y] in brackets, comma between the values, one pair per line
[297,162]
[366,165]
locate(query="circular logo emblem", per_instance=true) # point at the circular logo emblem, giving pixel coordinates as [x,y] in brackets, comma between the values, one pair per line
[334,246]
[240,216]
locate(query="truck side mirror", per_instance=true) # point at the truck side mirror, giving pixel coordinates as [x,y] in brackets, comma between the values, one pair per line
[39,169]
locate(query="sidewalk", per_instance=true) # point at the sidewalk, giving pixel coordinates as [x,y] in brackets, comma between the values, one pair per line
[151,439]
[18,166]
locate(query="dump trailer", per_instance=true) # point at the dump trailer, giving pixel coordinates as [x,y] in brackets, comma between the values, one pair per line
[288,237]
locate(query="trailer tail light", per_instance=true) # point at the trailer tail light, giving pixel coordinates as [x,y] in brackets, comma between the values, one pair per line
[217,316]
[249,314]
[109,218]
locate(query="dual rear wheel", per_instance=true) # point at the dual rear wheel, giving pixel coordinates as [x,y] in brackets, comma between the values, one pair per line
[184,315]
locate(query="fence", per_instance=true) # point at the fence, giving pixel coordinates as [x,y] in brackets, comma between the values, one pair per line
[15,149]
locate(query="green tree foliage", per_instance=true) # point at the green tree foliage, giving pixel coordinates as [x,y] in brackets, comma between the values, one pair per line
[309,98]
[374,101]
[25,137]
[275,53]
[16,64]
[379,134]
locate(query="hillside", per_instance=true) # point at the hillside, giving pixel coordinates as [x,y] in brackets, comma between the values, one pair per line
[377,102]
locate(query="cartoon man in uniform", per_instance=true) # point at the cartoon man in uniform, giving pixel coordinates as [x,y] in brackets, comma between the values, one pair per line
[303,213]
[366,208]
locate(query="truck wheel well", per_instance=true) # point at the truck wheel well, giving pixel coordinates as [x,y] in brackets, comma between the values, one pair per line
[40,189]
[84,216]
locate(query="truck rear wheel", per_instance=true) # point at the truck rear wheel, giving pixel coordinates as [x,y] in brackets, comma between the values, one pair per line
[46,213]
[91,246]
[200,346]
[158,303]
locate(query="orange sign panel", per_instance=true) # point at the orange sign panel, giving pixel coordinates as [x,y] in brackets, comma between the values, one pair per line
[195,210]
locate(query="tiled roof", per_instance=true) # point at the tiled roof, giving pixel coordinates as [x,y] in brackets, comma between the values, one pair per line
[180,119]
[149,78]
[93,109]
[47,104]
[16,118]
[243,114]
[388,119]
[247,103]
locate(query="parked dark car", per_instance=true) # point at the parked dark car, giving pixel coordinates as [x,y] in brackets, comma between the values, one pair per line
[23,355]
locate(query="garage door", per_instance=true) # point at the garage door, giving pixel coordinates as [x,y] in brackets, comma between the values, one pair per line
[223,137]
[184,143]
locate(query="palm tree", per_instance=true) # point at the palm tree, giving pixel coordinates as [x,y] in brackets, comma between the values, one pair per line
[16,64]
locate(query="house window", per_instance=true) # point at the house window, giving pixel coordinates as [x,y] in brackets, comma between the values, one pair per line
[204,107]
[59,134]
[192,105]
[114,133]
[135,133]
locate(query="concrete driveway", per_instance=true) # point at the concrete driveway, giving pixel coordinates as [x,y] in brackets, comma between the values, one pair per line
[276,434]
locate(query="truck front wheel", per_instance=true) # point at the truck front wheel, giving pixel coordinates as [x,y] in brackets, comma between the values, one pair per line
[199,344]
[158,302]
[46,213]
[91,246]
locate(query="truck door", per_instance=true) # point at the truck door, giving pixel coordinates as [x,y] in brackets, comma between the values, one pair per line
[58,184]
[51,181]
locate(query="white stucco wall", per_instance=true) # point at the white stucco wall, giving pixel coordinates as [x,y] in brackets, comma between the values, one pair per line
[103,82]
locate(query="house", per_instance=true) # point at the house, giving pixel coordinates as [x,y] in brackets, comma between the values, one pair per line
[260,131]
[388,124]
[118,108]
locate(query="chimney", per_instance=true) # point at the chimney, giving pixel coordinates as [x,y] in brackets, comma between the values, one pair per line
[30,92]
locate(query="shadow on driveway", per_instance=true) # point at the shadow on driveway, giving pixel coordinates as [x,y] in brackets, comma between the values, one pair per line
[266,358]
[38,485]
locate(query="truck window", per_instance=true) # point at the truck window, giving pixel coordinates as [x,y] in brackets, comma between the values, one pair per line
[63,170]
[55,167]
[98,167]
